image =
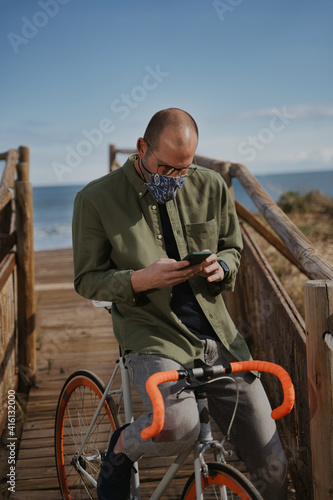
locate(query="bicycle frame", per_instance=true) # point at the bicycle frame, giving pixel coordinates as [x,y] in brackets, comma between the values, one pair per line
[206,441]
[218,474]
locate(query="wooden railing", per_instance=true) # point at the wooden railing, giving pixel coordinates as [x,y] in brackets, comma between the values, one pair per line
[17,303]
[275,331]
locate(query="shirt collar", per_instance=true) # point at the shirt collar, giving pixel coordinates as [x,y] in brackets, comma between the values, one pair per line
[133,176]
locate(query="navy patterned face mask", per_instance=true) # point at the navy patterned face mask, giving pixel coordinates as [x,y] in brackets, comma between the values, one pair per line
[164,187]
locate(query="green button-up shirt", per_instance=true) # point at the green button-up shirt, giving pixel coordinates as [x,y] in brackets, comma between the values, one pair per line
[117,230]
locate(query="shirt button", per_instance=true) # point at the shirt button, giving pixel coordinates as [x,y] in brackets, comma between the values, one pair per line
[153,207]
[159,236]
[140,193]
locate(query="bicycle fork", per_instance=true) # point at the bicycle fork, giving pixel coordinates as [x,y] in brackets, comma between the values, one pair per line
[206,442]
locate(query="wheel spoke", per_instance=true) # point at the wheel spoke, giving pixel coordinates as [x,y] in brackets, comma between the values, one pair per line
[78,403]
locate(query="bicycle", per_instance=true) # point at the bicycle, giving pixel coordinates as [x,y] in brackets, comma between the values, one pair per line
[88,414]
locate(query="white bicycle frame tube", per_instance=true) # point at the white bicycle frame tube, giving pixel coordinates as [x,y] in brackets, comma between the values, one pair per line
[197,474]
[128,408]
[101,403]
[170,474]
[126,388]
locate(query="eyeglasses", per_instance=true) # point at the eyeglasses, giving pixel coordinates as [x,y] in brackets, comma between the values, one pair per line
[168,170]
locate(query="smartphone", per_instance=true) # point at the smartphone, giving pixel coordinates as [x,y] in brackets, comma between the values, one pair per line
[197,257]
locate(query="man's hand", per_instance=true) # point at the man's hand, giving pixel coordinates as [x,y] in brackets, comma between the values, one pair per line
[211,269]
[163,273]
[169,272]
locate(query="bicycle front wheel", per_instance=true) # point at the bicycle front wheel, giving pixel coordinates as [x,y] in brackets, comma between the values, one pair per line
[77,404]
[224,482]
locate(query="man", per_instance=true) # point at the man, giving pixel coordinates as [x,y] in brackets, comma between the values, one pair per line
[131,228]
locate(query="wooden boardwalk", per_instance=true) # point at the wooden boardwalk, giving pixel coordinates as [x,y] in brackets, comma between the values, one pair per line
[71,335]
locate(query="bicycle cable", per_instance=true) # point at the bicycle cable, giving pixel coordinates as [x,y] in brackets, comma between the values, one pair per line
[236,403]
[195,386]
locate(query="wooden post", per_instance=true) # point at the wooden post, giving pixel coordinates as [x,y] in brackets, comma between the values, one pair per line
[319,347]
[10,169]
[113,162]
[25,272]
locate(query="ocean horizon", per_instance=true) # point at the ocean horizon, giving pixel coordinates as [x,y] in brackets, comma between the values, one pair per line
[53,205]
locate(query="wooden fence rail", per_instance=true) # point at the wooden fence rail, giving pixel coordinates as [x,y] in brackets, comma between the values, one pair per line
[275,331]
[17,307]
[301,248]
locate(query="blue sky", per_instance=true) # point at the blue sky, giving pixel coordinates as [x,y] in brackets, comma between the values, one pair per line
[78,75]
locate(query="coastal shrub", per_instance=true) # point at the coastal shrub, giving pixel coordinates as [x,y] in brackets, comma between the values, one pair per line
[313,201]
[290,201]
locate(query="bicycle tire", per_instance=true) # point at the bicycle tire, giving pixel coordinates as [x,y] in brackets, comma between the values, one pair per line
[237,486]
[77,403]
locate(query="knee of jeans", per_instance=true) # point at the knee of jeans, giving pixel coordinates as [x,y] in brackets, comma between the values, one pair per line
[180,427]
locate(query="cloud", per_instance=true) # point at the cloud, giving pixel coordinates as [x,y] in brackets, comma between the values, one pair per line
[300,111]
[323,156]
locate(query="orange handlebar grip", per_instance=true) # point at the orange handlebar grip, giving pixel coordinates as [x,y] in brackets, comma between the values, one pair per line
[287,385]
[157,401]
[241,366]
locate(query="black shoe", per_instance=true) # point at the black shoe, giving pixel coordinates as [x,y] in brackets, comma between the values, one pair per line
[114,479]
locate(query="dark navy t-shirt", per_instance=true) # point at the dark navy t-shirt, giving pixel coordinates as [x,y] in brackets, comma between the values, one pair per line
[183,302]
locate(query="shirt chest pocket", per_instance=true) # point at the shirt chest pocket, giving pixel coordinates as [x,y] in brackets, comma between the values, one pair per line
[202,235]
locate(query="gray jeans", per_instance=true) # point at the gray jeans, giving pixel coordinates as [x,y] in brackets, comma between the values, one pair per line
[253,433]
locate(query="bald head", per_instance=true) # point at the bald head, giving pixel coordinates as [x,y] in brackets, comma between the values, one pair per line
[178,123]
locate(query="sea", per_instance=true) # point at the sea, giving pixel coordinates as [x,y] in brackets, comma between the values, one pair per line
[53,205]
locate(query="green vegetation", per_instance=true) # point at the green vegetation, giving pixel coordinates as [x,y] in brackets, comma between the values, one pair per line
[293,201]
[312,213]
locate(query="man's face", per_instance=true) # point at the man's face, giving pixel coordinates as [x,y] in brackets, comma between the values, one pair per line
[174,154]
